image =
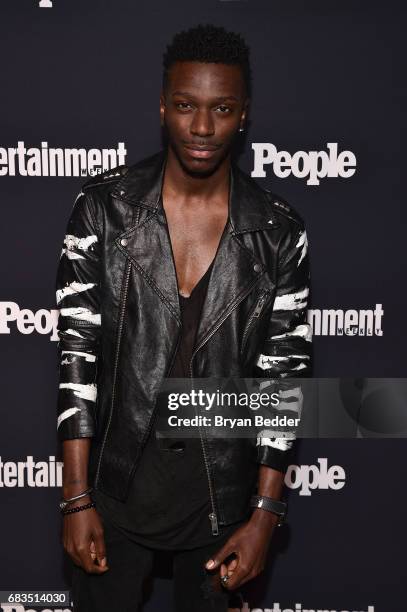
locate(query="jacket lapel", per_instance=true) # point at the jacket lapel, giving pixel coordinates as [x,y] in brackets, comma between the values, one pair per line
[148,243]
[232,278]
[236,270]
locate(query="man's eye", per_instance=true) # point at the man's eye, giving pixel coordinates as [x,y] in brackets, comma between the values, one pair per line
[224,109]
[182,105]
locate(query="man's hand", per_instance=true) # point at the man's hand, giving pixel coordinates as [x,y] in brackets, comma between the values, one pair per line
[250,544]
[84,541]
[82,531]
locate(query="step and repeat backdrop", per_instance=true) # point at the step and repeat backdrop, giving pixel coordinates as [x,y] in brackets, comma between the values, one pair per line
[80,84]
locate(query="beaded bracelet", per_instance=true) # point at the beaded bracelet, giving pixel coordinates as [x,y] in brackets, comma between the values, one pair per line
[79,508]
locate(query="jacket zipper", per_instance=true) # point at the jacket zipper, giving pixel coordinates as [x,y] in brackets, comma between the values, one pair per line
[116,363]
[213,517]
[255,315]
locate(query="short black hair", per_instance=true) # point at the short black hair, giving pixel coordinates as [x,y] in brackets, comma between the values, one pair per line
[208,43]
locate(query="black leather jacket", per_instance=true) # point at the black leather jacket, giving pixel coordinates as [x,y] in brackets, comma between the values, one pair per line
[119,323]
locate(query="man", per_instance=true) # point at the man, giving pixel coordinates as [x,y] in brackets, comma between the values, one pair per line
[180,265]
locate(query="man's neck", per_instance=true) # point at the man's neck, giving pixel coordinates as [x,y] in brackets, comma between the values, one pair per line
[190,189]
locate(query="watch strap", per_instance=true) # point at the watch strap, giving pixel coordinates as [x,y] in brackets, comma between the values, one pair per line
[276,506]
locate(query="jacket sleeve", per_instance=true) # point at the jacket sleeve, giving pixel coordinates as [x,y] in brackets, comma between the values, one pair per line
[79,322]
[286,351]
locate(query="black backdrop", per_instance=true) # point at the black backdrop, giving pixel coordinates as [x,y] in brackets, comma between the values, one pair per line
[86,75]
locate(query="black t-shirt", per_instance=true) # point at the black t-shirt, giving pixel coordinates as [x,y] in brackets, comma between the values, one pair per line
[169,503]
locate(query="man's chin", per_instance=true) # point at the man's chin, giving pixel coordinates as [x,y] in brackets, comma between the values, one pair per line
[201,170]
[199,167]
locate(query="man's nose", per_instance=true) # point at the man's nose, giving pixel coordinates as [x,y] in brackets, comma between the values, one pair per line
[202,124]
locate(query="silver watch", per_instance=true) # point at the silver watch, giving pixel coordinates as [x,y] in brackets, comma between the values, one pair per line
[271,505]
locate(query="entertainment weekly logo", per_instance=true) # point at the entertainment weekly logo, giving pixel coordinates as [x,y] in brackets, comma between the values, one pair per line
[30,473]
[302,478]
[51,161]
[351,322]
[325,322]
[312,165]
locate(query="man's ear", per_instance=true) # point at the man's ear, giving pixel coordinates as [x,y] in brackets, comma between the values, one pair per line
[162,108]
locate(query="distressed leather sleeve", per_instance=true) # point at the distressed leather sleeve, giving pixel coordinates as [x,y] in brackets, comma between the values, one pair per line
[287,349]
[79,322]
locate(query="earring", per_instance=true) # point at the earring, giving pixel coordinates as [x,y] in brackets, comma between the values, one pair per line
[241,129]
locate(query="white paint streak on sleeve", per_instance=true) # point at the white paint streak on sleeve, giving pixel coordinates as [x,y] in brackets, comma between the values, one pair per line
[73,332]
[87,392]
[279,443]
[301,366]
[78,196]
[74,244]
[83,314]
[88,356]
[66,414]
[265,362]
[291,301]
[71,254]
[303,331]
[73,287]
[291,399]
[302,242]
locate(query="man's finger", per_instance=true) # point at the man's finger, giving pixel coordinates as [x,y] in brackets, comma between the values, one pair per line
[239,576]
[100,549]
[87,563]
[218,557]
[232,566]
[90,566]
[227,569]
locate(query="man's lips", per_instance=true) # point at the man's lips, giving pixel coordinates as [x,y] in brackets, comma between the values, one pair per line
[201,151]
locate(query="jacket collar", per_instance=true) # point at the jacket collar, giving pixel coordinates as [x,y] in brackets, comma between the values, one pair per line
[237,268]
[249,204]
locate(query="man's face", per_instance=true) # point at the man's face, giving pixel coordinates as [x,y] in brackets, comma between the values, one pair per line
[202,108]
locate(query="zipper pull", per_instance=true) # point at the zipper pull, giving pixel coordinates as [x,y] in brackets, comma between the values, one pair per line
[259,306]
[214,523]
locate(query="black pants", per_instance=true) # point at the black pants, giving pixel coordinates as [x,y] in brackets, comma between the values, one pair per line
[196,589]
